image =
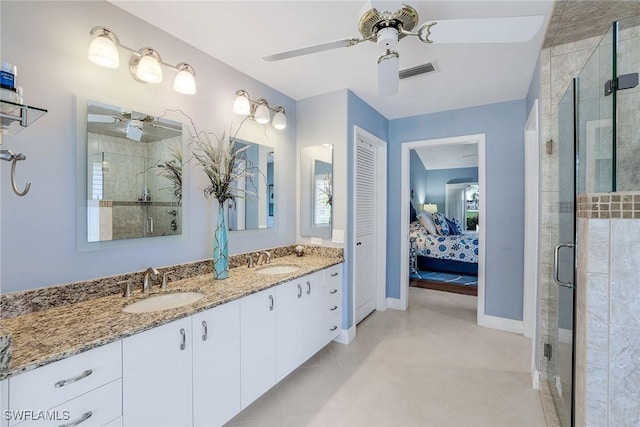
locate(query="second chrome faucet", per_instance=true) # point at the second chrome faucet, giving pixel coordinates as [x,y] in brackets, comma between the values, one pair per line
[146,285]
[263,257]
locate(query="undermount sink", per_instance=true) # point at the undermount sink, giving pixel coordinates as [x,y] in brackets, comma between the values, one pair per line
[163,302]
[278,269]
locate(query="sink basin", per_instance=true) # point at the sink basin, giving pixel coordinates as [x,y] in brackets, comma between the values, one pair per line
[278,269]
[163,302]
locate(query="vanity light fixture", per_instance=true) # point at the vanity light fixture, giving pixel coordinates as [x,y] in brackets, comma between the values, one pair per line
[259,110]
[145,64]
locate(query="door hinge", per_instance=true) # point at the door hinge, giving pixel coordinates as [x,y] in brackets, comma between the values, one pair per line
[547,351]
[625,81]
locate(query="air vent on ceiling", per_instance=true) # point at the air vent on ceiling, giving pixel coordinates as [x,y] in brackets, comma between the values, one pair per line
[429,67]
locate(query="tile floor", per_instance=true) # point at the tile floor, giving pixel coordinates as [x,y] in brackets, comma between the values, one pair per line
[428,366]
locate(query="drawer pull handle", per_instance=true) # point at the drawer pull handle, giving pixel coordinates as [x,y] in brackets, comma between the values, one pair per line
[183,339]
[335,291]
[80,420]
[63,383]
[333,329]
[205,330]
[334,274]
[271,303]
[299,291]
[334,308]
[308,287]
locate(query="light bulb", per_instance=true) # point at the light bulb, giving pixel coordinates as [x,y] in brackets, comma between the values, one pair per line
[103,51]
[279,119]
[184,81]
[148,69]
[262,114]
[241,105]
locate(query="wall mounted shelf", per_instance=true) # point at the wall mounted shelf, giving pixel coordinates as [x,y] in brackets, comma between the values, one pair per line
[16,117]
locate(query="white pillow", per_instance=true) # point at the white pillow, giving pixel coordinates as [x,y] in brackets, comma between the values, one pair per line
[427,222]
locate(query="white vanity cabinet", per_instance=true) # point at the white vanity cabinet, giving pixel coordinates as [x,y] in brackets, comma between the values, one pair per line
[216,364]
[85,389]
[156,376]
[332,302]
[257,344]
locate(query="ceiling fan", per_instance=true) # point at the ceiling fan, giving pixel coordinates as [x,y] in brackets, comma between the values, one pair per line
[133,126]
[386,29]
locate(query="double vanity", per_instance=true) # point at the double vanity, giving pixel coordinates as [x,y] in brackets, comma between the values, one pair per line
[195,353]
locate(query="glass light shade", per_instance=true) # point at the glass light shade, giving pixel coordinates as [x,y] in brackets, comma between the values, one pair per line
[430,207]
[184,83]
[279,120]
[103,51]
[262,114]
[148,69]
[242,106]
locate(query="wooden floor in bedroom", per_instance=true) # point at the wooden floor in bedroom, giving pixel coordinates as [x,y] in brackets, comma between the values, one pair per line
[446,287]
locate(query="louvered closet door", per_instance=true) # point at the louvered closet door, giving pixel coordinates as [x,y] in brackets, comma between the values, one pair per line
[365,229]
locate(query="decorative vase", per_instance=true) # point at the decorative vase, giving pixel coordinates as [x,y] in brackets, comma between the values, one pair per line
[220,247]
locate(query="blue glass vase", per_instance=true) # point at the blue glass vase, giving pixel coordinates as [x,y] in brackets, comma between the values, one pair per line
[220,247]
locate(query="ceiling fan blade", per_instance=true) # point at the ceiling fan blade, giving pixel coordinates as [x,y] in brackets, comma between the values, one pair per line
[312,49]
[100,118]
[518,29]
[388,73]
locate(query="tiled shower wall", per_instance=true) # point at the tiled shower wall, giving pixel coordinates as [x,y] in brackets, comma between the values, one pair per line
[608,310]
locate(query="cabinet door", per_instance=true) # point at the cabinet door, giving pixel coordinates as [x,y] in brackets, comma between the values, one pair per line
[156,376]
[216,365]
[313,338]
[288,327]
[257,345]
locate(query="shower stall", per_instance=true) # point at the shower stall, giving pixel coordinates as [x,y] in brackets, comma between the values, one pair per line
[593,173]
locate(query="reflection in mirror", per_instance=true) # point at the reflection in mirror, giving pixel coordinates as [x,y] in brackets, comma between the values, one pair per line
[463,203]
[316,181]
[256,210]
[134,174]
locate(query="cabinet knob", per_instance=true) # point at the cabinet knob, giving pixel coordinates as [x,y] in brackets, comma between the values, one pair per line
[335,291]
[271,303]
[183,339]
[334,274]
[334,308]
[308,287]
[333,328]
[299,291]
[84,417]
[204,330]
[68,381]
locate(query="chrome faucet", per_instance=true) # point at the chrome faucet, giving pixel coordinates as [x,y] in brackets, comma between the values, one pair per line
[265,257]
[146,286]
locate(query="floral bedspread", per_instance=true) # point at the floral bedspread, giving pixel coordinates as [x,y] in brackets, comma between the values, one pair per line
[456,248]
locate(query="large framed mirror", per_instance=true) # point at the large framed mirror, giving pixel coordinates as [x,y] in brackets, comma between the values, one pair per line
[134,174]
[463,203]
[257,209]
[316,181]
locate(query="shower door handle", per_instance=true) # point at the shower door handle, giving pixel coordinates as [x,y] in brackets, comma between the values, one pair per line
[556,256]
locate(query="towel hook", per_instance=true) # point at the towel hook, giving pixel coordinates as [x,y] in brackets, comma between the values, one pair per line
[14,158]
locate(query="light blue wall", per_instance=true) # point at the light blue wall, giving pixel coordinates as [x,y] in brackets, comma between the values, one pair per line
[503,125]
[362,115]
[41,241]
[437,179]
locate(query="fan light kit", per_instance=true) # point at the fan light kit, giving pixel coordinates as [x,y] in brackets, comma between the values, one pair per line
[145,64]
[386,29]
[259,110]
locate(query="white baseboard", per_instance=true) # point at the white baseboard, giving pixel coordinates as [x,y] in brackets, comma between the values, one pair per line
[346,336]
[535,379]
[565,336]
[508,325]
[395,303]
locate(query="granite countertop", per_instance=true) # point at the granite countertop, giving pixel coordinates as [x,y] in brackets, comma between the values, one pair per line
[47,336]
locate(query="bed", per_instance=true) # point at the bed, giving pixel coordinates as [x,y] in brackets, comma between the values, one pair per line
[451,254]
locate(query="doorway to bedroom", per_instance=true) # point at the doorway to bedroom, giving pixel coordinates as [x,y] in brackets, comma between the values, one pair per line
[443,188]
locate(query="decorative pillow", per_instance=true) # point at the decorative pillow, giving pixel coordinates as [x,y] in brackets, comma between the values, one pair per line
[442,226]
[454,227]
[458,225]
[427,223]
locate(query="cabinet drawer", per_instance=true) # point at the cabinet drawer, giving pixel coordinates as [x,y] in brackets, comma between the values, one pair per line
[96,408]
[53,384]
[333,303]
[333,325]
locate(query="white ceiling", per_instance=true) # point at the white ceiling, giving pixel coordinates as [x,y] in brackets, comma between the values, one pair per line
[240,33]
[448,156]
